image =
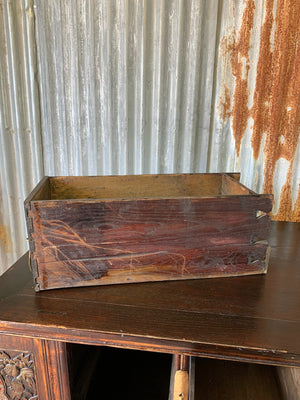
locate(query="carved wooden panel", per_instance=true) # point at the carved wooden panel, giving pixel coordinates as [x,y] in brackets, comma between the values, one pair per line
[17,380]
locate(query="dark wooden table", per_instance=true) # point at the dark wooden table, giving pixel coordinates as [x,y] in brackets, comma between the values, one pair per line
[254,319]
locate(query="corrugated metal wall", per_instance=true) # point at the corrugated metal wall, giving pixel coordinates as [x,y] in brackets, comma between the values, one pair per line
[125,87]
[256,123]
[147,86]
[20,139]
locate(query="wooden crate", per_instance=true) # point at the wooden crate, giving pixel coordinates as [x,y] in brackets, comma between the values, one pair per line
[100,230]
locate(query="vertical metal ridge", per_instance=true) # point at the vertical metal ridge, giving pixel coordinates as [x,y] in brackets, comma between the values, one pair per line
[173,71]
[45,104]
[191,86]
[209,37]
[122,93]
[156,83]
[85,96]
[170,77]
[20,141]
[69,53]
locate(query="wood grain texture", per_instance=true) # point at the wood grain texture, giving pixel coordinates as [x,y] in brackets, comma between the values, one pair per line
[252,318]
[33,369]
[53,372]
[215,380]
[136,186]
[289,379]
[95,242]
[82,364]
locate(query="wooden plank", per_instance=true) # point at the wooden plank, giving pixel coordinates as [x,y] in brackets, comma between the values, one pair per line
[136,186]
[216,380]
[166,221]
[40,192]
[231,186]
[141,267]
[185,237]
[150,328]
[289,379]
[82,363]
[234,175]
[53,374]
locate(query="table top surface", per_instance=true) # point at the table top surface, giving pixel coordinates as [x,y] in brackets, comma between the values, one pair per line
[251,318]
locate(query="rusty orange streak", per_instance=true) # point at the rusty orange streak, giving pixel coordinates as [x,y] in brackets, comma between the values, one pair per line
[5,241]
[240,68]
[277,97]
[224,105]
[260,109]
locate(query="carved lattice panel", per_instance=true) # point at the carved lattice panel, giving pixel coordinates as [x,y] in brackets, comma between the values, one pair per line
[17,380]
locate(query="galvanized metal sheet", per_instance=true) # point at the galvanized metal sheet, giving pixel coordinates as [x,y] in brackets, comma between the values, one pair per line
[20,144]
[257,110]
[142,86]
[164,86]
[126,86]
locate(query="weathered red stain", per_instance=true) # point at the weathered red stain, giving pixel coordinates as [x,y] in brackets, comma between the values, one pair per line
[276,105]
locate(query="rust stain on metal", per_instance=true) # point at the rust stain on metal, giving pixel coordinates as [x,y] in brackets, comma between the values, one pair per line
[262,93]
[5,240]
[276,100]
[227,47]
[288,210]
[240,68]
[276,107]
[225,105]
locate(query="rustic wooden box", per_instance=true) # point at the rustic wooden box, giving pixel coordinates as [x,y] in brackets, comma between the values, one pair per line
[100,230]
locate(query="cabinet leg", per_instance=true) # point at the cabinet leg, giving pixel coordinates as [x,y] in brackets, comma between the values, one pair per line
[53,374]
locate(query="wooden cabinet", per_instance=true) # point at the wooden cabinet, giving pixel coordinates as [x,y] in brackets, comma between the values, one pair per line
[134,374]
[101,341]
[33,369]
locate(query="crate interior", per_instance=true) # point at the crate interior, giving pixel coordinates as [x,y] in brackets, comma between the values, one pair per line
[140,186]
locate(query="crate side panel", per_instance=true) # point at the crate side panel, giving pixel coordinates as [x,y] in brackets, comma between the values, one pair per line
[136,186]
[128,223]
[106,234]
[80,241]
[185,264]
[230,186]
[40,192]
